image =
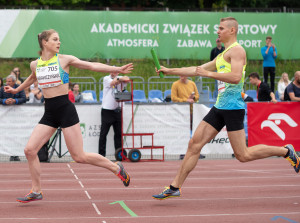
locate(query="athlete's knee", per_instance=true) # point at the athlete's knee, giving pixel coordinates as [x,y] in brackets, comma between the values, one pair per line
[194,147]
[30,151]
[242,157]
[79,158]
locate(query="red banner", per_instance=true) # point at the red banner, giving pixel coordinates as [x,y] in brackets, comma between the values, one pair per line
[274,124]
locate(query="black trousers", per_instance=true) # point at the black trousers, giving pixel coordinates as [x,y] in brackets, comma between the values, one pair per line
[110,118]
[271,71]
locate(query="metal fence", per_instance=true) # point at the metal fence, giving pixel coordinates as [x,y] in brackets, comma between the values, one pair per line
[85,83]
[207,87]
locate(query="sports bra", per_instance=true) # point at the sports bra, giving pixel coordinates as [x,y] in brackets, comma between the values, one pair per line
[50,74]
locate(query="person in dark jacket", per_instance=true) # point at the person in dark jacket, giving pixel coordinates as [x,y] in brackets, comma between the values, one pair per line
[264,92]
[12,99]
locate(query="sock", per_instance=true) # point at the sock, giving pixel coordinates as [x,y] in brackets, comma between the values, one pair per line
[173,188]
[287,154]
[118,170]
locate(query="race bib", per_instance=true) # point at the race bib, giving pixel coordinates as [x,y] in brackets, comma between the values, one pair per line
[48,76]
[221,86]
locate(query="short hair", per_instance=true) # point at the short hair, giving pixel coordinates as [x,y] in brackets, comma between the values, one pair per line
[268,37]
[254,75]
[297,73]
[11,76]
[232,22]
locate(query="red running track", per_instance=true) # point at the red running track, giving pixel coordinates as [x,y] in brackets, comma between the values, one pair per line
[216,191]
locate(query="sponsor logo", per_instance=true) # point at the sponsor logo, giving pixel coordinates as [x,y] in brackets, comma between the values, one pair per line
[52,63]
[274,120]
[82,127]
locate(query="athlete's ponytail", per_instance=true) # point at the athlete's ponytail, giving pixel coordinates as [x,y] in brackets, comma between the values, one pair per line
[44,36]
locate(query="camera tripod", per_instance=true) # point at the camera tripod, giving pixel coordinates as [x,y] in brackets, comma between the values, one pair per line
[52,144]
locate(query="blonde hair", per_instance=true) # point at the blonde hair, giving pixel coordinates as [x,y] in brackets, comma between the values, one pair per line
[232,22]
[44,36]
[281,79]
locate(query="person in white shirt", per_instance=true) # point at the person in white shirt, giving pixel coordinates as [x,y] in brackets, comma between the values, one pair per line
[111,112]
[282,84]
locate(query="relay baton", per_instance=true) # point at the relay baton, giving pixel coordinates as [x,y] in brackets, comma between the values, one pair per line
[156,62]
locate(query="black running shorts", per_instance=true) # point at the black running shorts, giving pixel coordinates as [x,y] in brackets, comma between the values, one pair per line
[59,112]
[232,119]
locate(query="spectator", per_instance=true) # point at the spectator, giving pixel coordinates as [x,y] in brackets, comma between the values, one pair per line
[264,92]
[17,72]
[1,82]
[111,112]
[70,93]
[77,93]
[217,50]
[269,54]
[27,94]
[184,90]
[214,53]
[292,91]
[11,99]
[246,97]
[35,94]
[282,84]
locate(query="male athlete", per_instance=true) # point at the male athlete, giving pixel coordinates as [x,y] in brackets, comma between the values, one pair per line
[228,110]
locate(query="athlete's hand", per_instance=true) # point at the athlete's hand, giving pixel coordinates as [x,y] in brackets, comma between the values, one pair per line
[9,89]
[162,69]
[126,68]
[200,71]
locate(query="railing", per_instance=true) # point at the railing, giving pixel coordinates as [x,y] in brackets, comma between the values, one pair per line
[207,87]
[157,83]
[85,83]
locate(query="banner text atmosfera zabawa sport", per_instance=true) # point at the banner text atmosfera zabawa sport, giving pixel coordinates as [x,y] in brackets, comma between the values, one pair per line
[116,34]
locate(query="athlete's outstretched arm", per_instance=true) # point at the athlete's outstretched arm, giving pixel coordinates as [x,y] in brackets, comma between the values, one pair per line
[186,71]
[98,67]
[238,60]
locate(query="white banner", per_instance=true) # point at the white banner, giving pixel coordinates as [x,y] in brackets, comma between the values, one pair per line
[168,122]
[220,144]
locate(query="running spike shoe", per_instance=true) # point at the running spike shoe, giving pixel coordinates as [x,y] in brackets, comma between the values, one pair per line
[167,193]
[293,157]
[123,175]
[32,196]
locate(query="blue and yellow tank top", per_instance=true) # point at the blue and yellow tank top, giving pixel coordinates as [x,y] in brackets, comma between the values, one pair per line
[229,95]
[50,74]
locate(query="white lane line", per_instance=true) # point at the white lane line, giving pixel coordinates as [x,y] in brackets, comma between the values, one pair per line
[163,216]
[80,184]
[96,209]
[87,194]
